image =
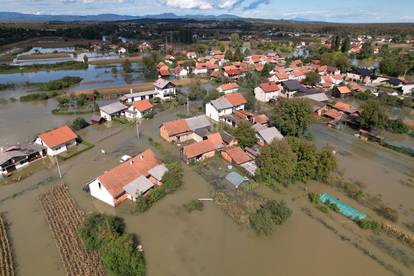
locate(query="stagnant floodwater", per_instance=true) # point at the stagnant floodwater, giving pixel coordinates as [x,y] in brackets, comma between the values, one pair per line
[206,242]
[95,76]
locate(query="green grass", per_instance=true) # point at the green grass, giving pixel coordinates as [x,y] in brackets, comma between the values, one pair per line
[67,155]
[68,65]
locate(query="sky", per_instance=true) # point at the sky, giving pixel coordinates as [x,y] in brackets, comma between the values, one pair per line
[352,11]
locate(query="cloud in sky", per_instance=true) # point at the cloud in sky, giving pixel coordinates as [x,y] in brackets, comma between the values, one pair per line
[324,10]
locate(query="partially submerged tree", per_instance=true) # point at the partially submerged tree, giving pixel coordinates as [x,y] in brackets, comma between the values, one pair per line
[245,135]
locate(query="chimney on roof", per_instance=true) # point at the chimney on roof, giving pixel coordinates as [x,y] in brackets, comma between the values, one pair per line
[131,162]
[130,91]
[141,157]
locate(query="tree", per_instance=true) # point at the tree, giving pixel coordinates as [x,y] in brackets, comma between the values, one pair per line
[150,66]
[336,43]
[346,45]
[127,66]
[228,55]
[247,52]
[312,78]
[373,115]
[222,47]
[120,257]
[245,135]
[85,59]
[292,116]
[326,164]
[269,214]
[238,55]
[307,159]
[278,162]
[366,51]
[266,70]
[235,41]
[79,123]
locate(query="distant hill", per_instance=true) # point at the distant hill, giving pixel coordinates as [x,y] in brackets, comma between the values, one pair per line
[23,17]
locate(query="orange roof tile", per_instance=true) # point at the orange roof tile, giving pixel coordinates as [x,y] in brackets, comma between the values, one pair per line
[342,106]
[282,76]
[235,99]
[268,87]
[176,127]
[229,86]
[238,155]
[332,113]
[343,89]
[117,178]
[58,136]
[261,119]
[196,149]
[215,138]
[143,105]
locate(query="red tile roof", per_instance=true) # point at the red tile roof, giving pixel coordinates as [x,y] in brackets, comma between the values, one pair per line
[268,87]
[117,178]
[235,99]
[343,89]
[215,138]
[261,119]
[332,113]
[229,86]
[342,106]
[238,155]
[176,127]
[143,105]
[196,149]
[58,136]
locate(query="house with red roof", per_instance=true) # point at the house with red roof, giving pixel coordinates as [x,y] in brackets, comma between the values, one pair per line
[129,180]
[139,109]
[228,88]
[195,128]
[57,140]
[267,91]
[341,91]
[235,155]
[202,150]
[200,69]
[225,105]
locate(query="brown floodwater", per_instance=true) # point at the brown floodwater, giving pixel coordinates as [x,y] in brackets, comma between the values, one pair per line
[206,242]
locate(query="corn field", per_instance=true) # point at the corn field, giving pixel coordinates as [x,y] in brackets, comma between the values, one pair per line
[6,260]
[64,219]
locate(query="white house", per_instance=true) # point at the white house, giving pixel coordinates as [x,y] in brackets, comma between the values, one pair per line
[128,180]
[114,109]
[164,89]
[228,88]
[139,96]
[181,72]
[138,109]
[267,91]
[407,88]
[17,156]
[57,140]
[224,106]
[200,69]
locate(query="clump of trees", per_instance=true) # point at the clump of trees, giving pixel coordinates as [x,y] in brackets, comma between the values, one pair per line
[338,59]
[127,66]
[150,66]
[292,116]
[194,205]
[172,180]
[295,160]
[245,135]
[79,123]
[312,78]
[268,215]
[60,83]
[105,234]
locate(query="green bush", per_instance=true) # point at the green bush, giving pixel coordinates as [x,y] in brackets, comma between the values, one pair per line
[193,205]
[368,224]
[268,215]
[105,233]
[60,83]
[79,123]
[313,197]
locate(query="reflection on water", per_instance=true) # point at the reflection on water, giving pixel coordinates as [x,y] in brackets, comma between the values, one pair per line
[93,77]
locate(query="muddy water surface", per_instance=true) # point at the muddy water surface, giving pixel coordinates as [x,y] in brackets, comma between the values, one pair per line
[199,243]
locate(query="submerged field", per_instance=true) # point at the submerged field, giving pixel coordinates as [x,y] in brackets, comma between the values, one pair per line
[209,242]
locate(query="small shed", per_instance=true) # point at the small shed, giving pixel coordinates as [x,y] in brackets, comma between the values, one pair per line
[236,179]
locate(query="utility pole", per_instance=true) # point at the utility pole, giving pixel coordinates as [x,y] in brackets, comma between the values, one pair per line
[188,105]
[57,164]
[137,126]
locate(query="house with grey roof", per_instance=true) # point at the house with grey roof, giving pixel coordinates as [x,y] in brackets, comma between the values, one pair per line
[138,187]
[139,96]
[165,89]
[111,110]
[267,135]
[17,156]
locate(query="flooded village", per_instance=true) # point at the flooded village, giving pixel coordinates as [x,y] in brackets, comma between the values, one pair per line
[228,154]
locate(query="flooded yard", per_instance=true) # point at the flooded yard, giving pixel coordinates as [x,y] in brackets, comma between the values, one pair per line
[208,242]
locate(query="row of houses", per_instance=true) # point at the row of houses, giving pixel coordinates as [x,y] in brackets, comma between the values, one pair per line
[137,105]
[49,143]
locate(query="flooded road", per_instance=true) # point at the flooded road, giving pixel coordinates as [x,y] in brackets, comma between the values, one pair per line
[199,243]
